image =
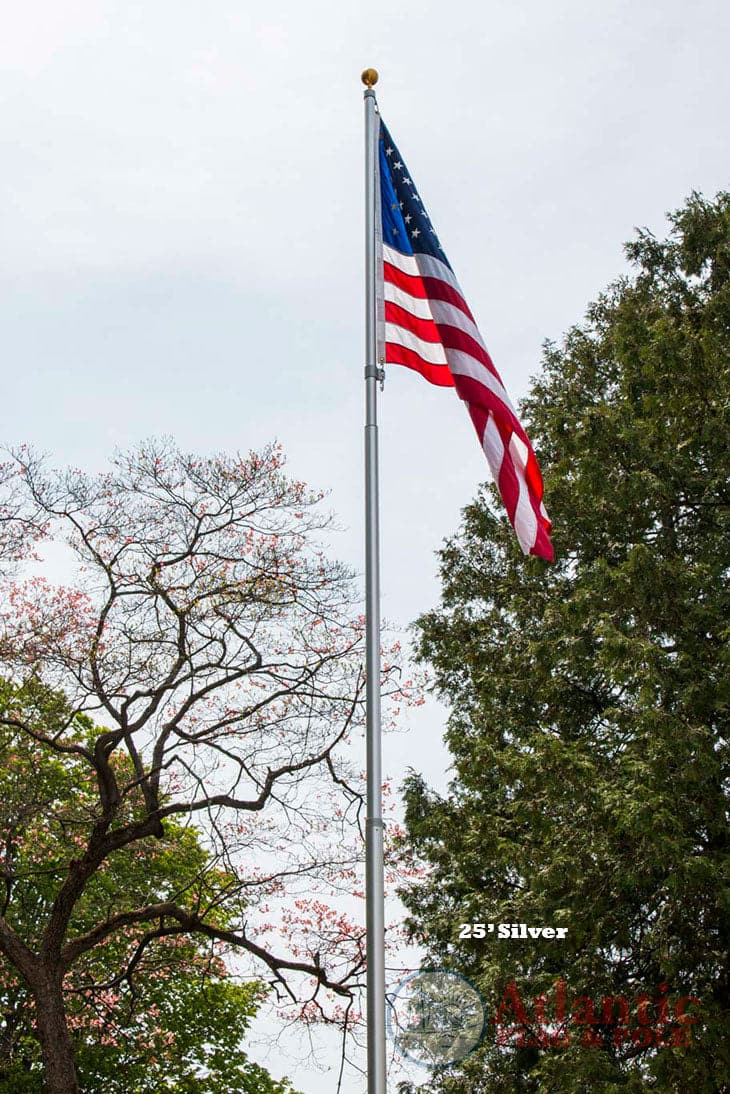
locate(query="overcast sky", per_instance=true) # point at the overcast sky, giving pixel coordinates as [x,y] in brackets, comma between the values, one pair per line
[182,231]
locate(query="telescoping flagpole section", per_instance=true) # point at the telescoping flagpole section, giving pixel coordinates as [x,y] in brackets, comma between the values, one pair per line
[374,886]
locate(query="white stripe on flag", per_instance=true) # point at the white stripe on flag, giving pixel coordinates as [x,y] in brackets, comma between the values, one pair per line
[493,448]
[433,352]
[420,265]
[405,263]
[432,267]
[415,305]
[525,522]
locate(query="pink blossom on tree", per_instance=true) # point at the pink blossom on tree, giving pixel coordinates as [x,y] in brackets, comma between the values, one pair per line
[219,653]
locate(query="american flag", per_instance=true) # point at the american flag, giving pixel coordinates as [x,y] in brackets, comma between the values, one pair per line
[426,325]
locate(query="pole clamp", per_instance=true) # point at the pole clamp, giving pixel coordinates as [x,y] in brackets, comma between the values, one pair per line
[372,372]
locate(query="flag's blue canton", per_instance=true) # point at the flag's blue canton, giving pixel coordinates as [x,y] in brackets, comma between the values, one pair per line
[406,226]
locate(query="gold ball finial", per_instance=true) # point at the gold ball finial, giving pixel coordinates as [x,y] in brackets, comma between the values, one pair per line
[369,77]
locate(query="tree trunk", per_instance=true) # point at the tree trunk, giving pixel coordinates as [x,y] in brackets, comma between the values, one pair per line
[58,1057]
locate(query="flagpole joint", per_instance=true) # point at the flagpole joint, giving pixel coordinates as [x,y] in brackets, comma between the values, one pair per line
[372,372]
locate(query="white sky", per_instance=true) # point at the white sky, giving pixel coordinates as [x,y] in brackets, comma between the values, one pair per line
[182,239]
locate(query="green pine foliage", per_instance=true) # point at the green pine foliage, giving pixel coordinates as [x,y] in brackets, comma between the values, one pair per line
[589,699]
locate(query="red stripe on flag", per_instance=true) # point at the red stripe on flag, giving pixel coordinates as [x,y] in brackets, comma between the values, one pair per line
[408,283]
[542,547]
[424,329]
[396,354]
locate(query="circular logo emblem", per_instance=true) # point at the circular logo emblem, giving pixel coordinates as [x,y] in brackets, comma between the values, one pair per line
[436,1017]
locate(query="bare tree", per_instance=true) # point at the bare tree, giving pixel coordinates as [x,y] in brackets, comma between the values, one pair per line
[219,653]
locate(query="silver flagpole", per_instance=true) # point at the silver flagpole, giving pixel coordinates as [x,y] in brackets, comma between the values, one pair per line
[374,885]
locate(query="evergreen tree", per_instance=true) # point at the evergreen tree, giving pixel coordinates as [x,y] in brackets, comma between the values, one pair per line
[589,724]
